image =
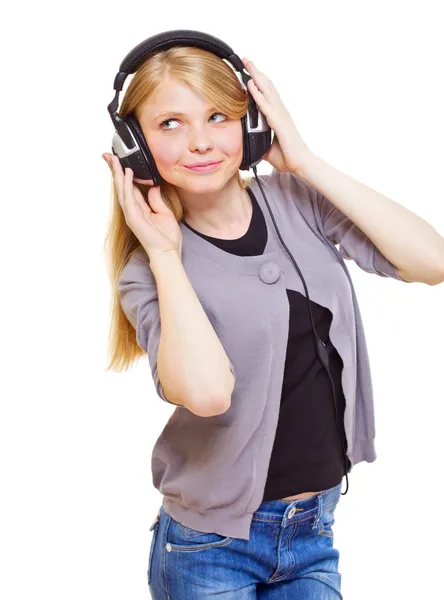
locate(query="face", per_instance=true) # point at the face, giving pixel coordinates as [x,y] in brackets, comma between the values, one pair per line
[200,134]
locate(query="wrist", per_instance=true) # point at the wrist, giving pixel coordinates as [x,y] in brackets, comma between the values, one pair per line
[306,165]
[160,259]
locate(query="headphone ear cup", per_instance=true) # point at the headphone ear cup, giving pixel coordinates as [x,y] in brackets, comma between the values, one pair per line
[150,165]
[245,164]
[256,144]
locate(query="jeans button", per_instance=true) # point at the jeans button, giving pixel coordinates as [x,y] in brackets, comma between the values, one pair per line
[291,513]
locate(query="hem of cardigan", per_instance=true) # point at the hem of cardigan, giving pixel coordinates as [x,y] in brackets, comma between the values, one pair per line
[363,450]
[213,520]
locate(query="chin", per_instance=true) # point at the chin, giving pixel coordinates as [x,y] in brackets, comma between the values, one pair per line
[203,187]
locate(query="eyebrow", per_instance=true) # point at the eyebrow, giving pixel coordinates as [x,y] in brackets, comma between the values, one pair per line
[173,113]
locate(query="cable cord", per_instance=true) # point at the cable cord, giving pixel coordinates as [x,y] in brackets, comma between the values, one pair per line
[321,348]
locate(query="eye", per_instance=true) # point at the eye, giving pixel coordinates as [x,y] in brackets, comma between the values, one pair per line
[172,119]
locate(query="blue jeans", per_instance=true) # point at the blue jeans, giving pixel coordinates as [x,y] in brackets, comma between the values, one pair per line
[289,555]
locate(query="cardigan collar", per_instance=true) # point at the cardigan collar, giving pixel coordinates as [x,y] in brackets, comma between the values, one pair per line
[196,245]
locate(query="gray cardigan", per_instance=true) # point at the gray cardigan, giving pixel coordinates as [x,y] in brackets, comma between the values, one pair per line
[211,471]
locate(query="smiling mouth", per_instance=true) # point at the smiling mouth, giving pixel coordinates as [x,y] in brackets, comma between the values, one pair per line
[208,167]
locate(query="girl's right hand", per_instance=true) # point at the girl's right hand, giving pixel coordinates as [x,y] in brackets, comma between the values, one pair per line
[152,222]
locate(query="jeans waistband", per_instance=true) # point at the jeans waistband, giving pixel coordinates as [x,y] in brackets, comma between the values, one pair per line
[302,505]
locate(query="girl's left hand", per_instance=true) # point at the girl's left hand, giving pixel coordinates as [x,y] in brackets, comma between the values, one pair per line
[288,151]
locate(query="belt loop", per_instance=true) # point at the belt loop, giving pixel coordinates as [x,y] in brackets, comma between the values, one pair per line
[319,499]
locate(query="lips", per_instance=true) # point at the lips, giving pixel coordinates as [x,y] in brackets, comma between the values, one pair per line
[204,164]
[207,168]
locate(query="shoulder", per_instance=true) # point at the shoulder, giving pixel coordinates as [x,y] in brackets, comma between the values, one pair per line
[292,192]
[289,183]
[139,255]
[136,269]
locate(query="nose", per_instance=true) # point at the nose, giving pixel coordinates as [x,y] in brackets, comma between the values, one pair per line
[200,140]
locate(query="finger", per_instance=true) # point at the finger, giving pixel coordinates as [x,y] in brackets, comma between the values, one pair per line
[118,179]
[257,94]
[256,82]
[133,194]
[251,66]
[140,199]
[144,181]
[128,188]
[247,64]
[261,80]
[254,85]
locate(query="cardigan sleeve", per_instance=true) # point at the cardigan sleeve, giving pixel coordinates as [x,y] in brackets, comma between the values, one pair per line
[139,300]
[137,291]
[353,242]
[333,225]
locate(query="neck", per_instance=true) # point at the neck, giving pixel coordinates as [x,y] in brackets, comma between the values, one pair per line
[225,212]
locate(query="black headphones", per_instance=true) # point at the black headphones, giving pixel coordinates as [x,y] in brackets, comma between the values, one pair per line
[129,143]
[130,146]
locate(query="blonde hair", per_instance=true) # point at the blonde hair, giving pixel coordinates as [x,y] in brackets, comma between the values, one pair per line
[207,74]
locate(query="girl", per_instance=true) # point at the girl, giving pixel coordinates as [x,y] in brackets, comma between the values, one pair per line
[251,461]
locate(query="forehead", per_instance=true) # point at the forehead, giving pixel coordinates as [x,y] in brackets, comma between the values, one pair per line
[174,97]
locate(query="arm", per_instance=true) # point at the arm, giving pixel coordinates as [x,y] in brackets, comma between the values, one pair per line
[405,239]
[321,215]
[191,361]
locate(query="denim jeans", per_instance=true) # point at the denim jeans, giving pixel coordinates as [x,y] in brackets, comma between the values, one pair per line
[290,555]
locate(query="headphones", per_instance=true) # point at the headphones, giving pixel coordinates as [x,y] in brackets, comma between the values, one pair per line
[129,144]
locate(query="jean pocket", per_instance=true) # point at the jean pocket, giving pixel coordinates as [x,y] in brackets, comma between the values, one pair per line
[181,538]
[154,528]
[327,519]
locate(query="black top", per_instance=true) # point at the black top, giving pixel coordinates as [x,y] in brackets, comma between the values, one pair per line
[307,454]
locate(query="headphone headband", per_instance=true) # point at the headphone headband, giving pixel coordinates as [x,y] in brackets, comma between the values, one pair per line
[176,37]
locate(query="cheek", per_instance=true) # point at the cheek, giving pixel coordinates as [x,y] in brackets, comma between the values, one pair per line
[165,152]
[231,143]
[232,146]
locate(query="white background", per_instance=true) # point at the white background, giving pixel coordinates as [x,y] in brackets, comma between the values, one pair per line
[363,82]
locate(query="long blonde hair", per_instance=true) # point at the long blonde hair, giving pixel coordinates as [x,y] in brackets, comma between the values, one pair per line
[207,74]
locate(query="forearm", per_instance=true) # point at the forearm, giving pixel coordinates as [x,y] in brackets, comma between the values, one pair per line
[192,364]
[404,238]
